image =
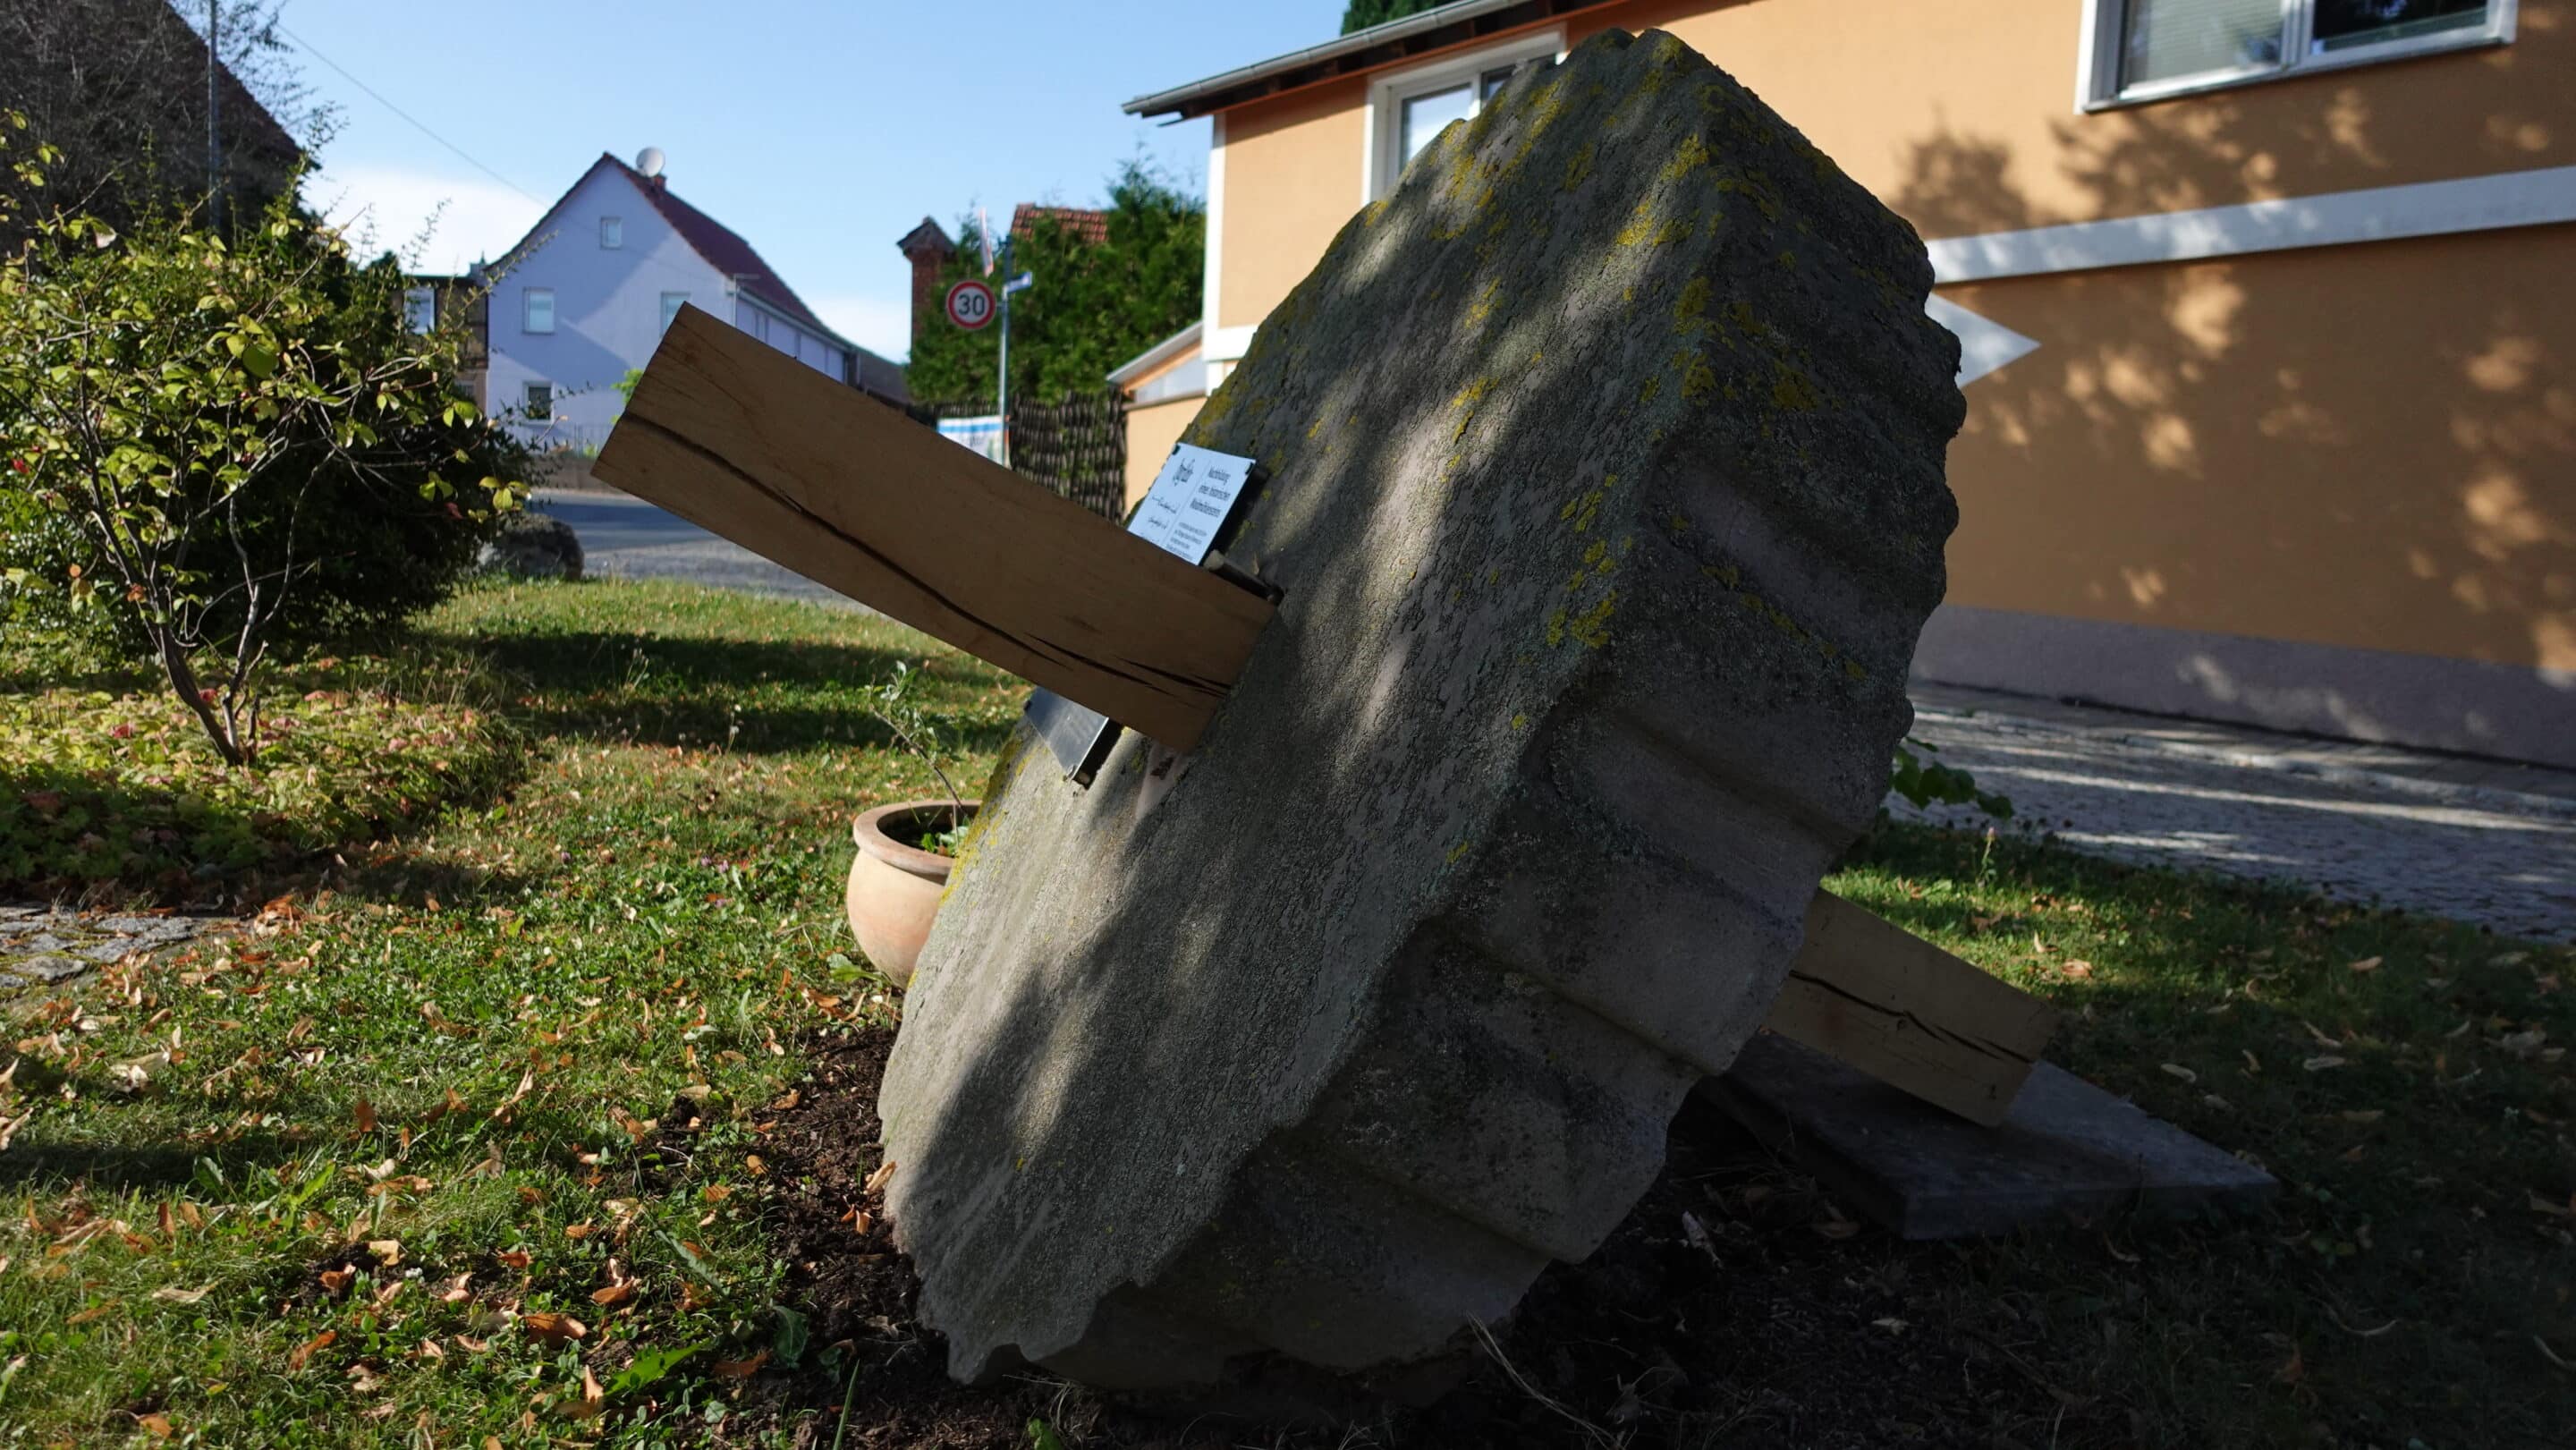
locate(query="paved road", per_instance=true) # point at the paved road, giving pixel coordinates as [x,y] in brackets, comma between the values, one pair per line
[624,537]
[2474,840]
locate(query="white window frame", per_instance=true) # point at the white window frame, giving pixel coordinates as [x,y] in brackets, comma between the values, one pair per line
[672,302]
[1380,163]
[528,310]
[527,393]
[612,233]
[420,308]
[2097,73]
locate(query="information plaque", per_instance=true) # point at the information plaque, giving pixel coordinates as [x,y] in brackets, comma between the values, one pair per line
[1185,513]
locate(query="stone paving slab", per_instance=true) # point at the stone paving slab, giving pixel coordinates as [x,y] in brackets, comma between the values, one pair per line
[43,946]
[2069,1152]
[2221,802]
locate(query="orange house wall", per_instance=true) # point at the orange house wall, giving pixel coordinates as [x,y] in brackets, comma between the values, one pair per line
[2369,446]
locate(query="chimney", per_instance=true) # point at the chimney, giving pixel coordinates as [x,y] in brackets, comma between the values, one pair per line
[928,249]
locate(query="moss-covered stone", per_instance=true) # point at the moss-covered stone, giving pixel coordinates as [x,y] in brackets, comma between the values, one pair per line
[1601,588]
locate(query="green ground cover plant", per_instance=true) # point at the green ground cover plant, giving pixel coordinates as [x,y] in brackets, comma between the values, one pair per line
[470,1142]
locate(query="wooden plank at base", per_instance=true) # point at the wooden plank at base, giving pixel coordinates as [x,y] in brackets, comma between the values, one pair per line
[746,442]
[1893,1005]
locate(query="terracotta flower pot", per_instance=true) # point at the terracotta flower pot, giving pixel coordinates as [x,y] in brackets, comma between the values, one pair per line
[895,886]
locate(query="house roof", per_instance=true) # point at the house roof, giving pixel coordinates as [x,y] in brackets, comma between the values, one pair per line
[1361,50]
[1184,341]
[1086,225]
[726,251]
[929,236]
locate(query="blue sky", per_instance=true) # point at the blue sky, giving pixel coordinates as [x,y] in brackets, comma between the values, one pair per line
[820,131]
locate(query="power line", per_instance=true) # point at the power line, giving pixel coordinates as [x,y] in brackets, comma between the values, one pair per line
[406,115]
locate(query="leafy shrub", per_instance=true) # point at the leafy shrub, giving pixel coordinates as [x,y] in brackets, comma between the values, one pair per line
[222,447]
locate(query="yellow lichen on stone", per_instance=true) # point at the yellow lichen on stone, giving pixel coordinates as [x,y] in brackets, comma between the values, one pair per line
[1578,168]
[1654,385]
[1592,627]
[1555,628]
[1584,508]
[1641,225]
[1678,524]
[1692,155]
[1483,307]
[1466,402]
[1698,377]
[1458,850]
[1753,187]
[1520,722]
[1791,390]
[1690,310]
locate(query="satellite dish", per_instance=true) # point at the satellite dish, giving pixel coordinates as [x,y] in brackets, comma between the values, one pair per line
[649,161]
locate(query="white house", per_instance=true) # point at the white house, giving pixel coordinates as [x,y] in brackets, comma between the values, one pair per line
[584,297]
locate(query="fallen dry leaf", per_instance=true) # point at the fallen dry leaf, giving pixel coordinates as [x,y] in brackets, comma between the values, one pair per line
[2366,964]
[613,1294]
[2322,1062]
[388,1252]
[751,1164]
[2079,968]
[336,1281]
[429,1350]
[92,1312]
[183,1296]
[2176,1069]
[157,1425]
[551,1327]
[365,1113]
[593,1398]
[304,1352]
[880,1178]
[511,1258]
[577,1230]
[741,1369]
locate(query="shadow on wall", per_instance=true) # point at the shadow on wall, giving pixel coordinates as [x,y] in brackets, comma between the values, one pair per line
[2368,446]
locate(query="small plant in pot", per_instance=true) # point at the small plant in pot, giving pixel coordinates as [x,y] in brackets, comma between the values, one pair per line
[905,849]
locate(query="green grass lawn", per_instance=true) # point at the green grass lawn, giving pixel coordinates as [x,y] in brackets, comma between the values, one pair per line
[352,1177]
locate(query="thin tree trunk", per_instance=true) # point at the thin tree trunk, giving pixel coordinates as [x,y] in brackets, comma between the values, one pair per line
[183,682]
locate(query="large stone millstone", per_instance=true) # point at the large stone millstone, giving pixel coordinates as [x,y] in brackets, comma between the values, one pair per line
[1607,495]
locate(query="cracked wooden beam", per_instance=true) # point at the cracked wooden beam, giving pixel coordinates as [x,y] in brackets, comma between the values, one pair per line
[1884,1000]
[746,442]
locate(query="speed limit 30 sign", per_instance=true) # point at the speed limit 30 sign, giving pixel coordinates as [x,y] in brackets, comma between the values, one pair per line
[970,304]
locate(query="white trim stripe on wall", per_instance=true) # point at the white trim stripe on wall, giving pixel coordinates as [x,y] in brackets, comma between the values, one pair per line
[2541,197]
[2377,214]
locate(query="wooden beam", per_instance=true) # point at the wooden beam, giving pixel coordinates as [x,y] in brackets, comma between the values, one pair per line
[746,442]
[1884,1000]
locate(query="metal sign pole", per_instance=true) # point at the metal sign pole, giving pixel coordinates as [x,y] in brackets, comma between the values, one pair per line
[1003,390]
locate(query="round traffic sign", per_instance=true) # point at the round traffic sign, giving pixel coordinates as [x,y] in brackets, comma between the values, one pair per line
[970,304]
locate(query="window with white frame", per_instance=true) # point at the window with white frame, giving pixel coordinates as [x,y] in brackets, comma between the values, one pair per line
[1407,109]
[420,308]
[538,405]
[612,232]
[537,309]
[672,302]
[2141,49]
